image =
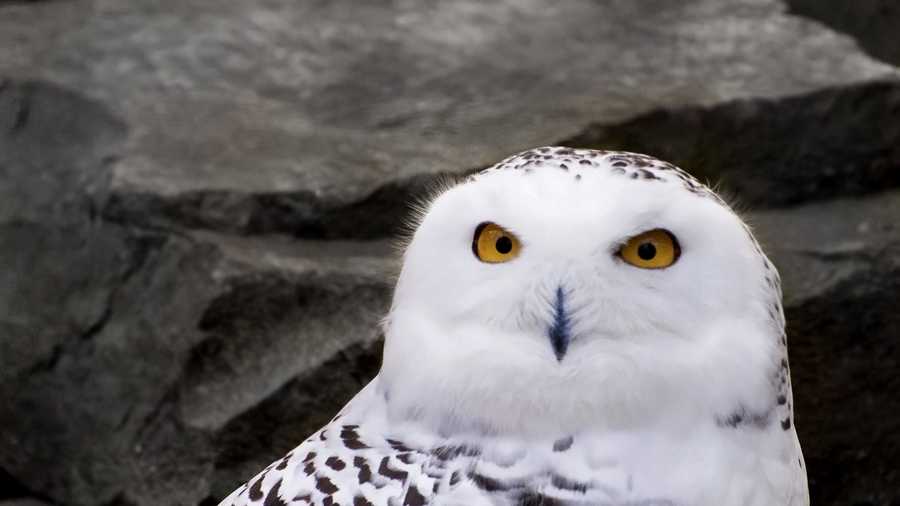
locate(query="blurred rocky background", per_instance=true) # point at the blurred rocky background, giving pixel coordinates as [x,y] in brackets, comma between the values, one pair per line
[197,199]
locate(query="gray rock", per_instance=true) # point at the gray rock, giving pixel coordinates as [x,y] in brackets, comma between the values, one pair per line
[764,152]
[840,263]
[281,421]
[201,330]
[269,116]
[55,149]
[872,22]
[23,502]
[127,351]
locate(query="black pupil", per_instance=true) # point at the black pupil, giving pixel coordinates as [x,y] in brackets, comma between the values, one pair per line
[646,251]
[503,245]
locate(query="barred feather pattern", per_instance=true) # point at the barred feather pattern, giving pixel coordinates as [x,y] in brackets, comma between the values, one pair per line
[362,464]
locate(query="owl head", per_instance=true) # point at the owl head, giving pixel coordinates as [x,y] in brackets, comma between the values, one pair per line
[565,290]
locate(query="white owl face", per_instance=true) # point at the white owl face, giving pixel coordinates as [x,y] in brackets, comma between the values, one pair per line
[553,285]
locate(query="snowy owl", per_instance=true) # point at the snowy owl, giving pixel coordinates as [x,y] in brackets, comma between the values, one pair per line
[569,327]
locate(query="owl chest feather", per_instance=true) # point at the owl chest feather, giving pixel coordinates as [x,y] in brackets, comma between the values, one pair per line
[364,461]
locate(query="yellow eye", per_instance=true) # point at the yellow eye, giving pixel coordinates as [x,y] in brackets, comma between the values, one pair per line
[654,249]
[494,244]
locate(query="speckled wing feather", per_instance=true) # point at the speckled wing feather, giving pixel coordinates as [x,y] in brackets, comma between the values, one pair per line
[355,461]
[351,462]
[359,459]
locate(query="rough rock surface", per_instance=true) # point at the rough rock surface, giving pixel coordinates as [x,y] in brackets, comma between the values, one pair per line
[196,201]
[837,141]
[258,117]
[23,502]
[840,265]
[873,22]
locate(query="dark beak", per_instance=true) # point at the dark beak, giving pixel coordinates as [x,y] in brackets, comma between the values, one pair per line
[560,331]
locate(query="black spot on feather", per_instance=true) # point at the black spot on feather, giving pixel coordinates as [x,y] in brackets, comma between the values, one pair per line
[255,492]
[564,484]
[413,497]
[392,474]
[351,438]
[398,445]
[563,444]
[272,498]
[538,499]
[450,452]
[324,485]
[365,472]
[488,484]
[335,463]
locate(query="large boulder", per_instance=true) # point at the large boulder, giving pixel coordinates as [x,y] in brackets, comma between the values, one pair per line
[771,153]
[872,22]
[270,116]
[840,264]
